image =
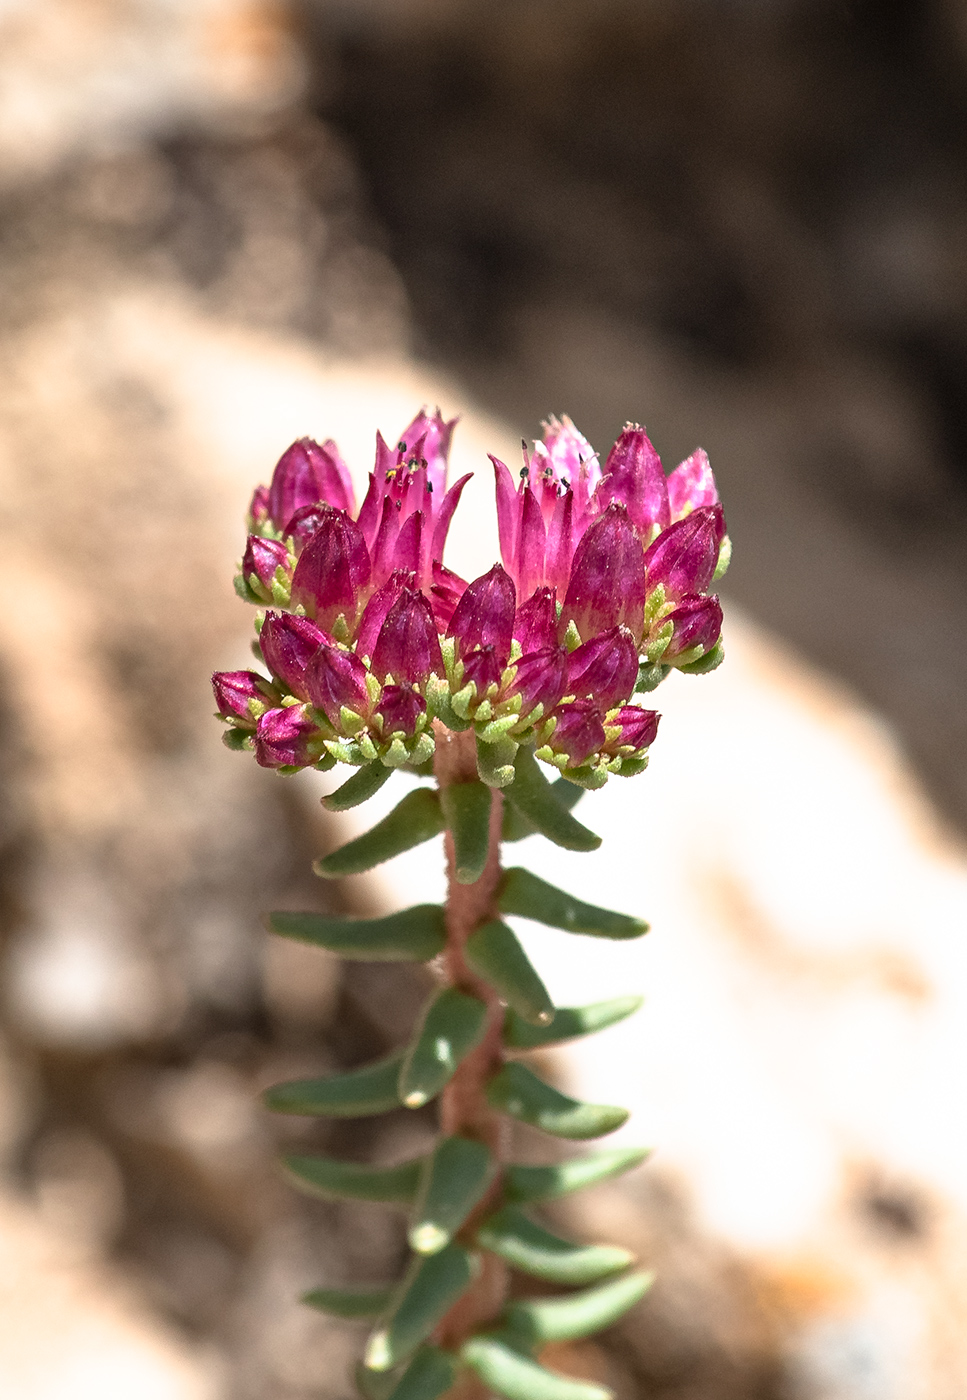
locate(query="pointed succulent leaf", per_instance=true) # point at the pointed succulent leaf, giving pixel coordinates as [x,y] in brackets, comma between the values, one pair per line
[533,795]
[349,1302]
[416,819]
[376,1385]
[495,761]
[363,785]
[527,1246]
[358,1094]
[413,935]
[549,1183]
[565,1319]
[454,1180]
[429,1375]
[516,826]
[532,898]
[517,1090]
[570,1023]
[333,1180]
[453,1024]
[431,1287]
[507,1373]
[466,807]
[495,954]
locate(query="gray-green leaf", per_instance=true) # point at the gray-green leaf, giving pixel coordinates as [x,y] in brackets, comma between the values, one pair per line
[363,785]
[454,1180]
[533,795]
[495,954]
[516,1378]
[532,898]
[527,1246]
[570,1022]
[543,1320]
[416,819]
[466,807]
[358,1094]
[431,1287]
[412,935]
[516,826]
[429,1375]
[549,1183]
[517,1090]
[453,1024]
[351,1181]
[349,1302]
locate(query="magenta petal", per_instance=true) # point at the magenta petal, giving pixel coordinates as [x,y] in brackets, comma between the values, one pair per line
[304,524]
[235,689]
[386,458]
[484,615]
[337,484]
[604,669]
[332,571]
[638,727]
[535,625]
[684,556]
[384,549]
[607,586]
[288,643]
[691,485]
[282,738]
[541,678]
[569,451]
[445,593]
[432,436]
[633,476]
[508,509]
[376,610]
[483,667]
[408,647]
[305,473]
[408,553]
[401,708]
[697,621]
[531,545]
[262,558]
[579,731]
[444,514]
[369,511]
[560,542]
[335,678]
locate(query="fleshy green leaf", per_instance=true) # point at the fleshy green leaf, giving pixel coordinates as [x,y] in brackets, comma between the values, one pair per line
[454,1180]
[376,1385]
[533,795]
[532,898]
[416,819]
[351,1181]
[527,1246]
[516,826]
[517,1090]
[548,1183]
[413,935]
[429,1375]
[364,784]
[466,807]
[431,1287]
[516,1378]
[453,1024]
[543,1320]
[349,1302]
[570,1022]
[495,761]
[495,954]
[358,1094]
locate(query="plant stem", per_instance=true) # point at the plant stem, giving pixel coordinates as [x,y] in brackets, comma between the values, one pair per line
[463,1107]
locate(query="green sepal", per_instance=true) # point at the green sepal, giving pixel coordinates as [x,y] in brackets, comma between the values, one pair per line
[453,1024]
[412,935]
[533,795]
[495,954]
[431,1287]
[532,898]
[333,1180]
[439,704]
[533,1250]
[363,785]
[550,1183]
[495,761]
[705,663]
[516,826]
[517,1090]
[238,740]
[466,808]
[349,1302]
[416,819]
[454,1180]
[650,677]
[358,1094]
[570,1022]
[541,1320]
[429,1375]
[724,559]
[504,1371]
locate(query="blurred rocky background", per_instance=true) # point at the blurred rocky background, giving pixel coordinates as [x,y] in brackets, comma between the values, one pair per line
[227,222]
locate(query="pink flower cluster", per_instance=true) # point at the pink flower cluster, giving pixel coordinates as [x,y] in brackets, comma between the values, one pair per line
[369,639]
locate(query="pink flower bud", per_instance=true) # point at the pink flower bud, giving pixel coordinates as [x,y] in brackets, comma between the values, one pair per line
[304,524]
[638,728]
[258,511]
[568,452]
[288,643]
[633,476]
[579,731]
[691,485]
[429,439]
[541,679]
[408,647]
[483,667]
[684,556]
[535,625]
[306,473]
[400,708]
[335,679]
[282,738]
[484,615]
[260,562]
[332,572]
[604,669]
[697,621]
[376,610]
[241,696]
[607,585]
